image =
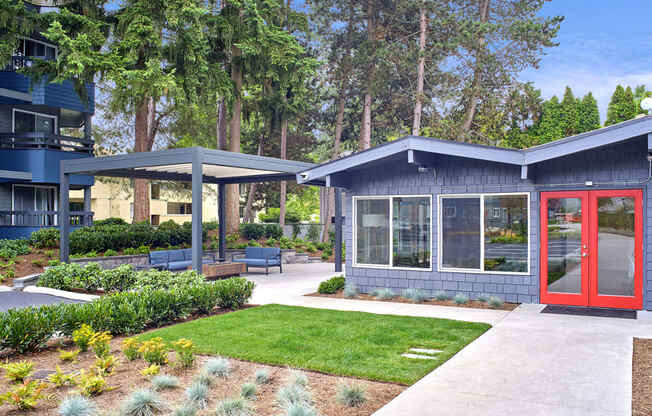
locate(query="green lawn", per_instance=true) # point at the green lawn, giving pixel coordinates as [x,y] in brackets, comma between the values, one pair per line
[336,342]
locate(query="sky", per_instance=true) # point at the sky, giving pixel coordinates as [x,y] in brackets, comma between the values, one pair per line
[602,43]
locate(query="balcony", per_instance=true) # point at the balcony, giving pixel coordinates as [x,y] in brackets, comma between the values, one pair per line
[19,62]
[43,219]
[38,140]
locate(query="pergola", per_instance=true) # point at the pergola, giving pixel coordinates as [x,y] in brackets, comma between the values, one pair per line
[198,166]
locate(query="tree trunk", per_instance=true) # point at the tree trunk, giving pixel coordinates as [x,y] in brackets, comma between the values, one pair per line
[221,125]
[233,190]
[365,131]
[472,104]
[249,215]
[416,125]
[339,125]
[142,143]
[284,184]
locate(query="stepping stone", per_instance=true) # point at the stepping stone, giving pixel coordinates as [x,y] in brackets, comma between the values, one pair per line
[42,374]
[418,357]
[425,351]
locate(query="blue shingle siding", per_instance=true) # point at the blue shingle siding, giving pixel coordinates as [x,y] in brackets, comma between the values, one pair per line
[453,176]
[624,161]
[61,95]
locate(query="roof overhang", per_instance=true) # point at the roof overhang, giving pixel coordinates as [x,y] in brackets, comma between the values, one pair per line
[416,147]
[217,166]
[14,174]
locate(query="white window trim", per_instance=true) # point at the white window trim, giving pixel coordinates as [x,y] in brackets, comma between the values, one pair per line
[481,270]
[56,200]
[13,118]
[391,233]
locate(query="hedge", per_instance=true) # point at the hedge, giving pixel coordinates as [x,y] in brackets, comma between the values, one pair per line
[332,285]
[124,277]
[126,313]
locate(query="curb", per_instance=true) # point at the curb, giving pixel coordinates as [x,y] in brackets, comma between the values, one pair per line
[60,293]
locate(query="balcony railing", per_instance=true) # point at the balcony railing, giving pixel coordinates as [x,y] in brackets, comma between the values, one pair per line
[19,62]
[37,140]
[43,218]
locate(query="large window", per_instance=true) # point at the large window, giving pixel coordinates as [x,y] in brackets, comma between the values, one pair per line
[29,122]
[392,232]
[484,233]
[179,208]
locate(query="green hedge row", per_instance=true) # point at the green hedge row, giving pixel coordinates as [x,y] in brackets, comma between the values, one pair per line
[124,313]
[92,277]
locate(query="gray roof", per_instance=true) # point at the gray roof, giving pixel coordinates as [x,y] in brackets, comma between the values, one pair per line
[566,146]
[218,166]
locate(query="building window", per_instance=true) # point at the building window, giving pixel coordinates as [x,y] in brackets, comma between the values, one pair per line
[393,232]
[155,190]
[489,234]
[34,205]
[29,122]
[179,208]
[36,49]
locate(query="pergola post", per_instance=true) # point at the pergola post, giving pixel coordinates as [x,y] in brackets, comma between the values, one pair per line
[338,230]
[64,216]
[221,218]
[197,190]
[86,219]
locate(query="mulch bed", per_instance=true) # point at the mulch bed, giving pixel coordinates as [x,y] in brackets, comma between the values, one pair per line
[127,378]
[25,265]
[474,304]
[642,377]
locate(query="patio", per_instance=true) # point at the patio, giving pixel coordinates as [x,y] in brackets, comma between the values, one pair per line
[197,166]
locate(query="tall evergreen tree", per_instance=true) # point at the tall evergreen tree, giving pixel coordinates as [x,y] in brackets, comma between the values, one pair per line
[589,115]
[569,113]
[621,107]
[549,127]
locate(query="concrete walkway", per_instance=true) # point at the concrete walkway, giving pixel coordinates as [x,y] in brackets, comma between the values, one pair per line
[16,300]
[527,364]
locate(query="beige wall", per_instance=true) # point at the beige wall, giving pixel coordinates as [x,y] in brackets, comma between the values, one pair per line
[114,199]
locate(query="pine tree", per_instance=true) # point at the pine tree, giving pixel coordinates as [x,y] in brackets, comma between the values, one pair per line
[569,113]
[549,127]
[621,107]
[589,115]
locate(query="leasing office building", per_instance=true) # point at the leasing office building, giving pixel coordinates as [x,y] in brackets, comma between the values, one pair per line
[561,223]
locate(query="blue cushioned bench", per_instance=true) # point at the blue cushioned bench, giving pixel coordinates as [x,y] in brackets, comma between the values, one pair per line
[262,257]
[173,260]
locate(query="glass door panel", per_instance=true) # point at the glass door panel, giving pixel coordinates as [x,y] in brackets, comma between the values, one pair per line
[564,240]
[616,249]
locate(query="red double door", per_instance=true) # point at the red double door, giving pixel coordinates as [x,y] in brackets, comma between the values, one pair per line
[592,248]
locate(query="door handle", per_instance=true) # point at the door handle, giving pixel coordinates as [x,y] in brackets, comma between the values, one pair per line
[584,254]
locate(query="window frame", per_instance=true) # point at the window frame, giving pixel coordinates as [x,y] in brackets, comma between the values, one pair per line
[35,114]
[389,266]
[481,270]
[50,45]
[13,201]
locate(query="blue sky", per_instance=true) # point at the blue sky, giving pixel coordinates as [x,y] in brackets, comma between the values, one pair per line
[602,43]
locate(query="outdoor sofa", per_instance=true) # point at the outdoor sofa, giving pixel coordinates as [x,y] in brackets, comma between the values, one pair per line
[174,260]
[261,257]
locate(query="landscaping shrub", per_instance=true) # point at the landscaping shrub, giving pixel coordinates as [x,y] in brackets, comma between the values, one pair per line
[110,253]
[165,279]
[385,294]
[442,295]
[45,238]
[332,285]
[82,336]
[100,343]
[9,249]
[461,299]
[313,232]
[60,379]
[292,394]
[18,372]
[197,394]
[248,391]
[350,291]
[164,381]
[77,406]
[273,215]
[123,313]
[415,295]
[150,370]
[204,378]
[185,410]
[90,384]
[262,376]
[27,329]
[299,409]
[217,367]
[233,293]
[67,356]
[298,378]
[119,279]
[233,407]
[102,237]
[495,302]
[25,396]
[351,395]
[252,231]
[154,351]
[110,221]
[185,350]
[143,403]
[273,231]
[483,297]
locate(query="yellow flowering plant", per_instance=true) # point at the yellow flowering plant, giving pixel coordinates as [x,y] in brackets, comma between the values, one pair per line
[185,351]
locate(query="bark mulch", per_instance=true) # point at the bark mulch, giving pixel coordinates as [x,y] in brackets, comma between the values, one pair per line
[127,378]
[474,304]
[642,377]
